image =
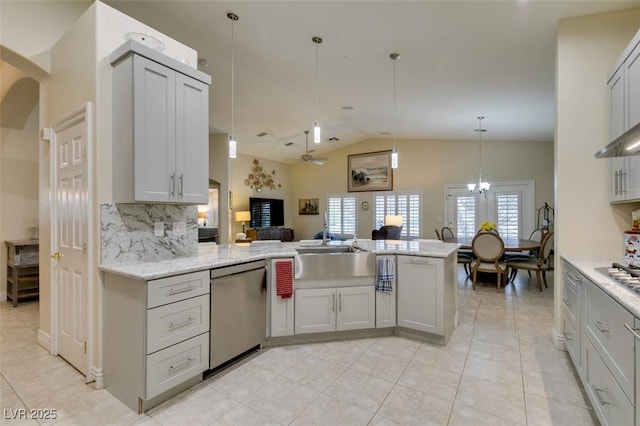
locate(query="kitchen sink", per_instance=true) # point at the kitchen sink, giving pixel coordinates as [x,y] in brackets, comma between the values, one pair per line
[324,249]
[338,266]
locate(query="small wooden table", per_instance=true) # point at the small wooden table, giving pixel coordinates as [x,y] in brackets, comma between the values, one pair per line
[510,244]
[22,269]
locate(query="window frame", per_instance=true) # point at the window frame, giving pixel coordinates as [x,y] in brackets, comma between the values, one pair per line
[411,227]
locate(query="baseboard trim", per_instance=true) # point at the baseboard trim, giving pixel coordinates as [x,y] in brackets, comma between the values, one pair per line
[98,375]
[44,340]
[3,296]
[558,340]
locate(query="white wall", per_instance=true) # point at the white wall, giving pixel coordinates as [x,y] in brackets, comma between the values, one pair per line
[587,225]
[18,187]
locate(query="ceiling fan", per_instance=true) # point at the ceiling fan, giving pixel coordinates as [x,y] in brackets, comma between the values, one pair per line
[306,157]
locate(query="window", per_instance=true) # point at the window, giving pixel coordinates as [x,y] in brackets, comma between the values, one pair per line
[509,204]
[342,214]
[405,204]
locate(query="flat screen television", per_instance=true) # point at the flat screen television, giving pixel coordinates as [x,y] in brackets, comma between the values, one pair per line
[266,212]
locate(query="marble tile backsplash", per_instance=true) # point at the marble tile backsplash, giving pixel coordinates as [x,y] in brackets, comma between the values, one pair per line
[128,232]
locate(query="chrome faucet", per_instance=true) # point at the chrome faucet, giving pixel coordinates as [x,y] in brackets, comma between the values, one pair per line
[324,230]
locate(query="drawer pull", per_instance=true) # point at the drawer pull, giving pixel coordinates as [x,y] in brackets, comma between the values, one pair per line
[173,291]
[567,336]
[599,325]
[633,331]
[333,303]
[181,323]
[597,391]
[175,368]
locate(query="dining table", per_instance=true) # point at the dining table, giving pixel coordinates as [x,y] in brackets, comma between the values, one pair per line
[510,244]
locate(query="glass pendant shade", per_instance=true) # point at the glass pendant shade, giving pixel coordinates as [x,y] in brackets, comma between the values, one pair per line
[316,132]
[232,147]
[394,160]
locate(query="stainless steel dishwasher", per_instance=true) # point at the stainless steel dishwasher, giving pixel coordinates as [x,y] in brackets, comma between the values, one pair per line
[238,311]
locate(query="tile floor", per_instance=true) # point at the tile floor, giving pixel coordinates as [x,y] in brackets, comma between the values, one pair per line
[499,368]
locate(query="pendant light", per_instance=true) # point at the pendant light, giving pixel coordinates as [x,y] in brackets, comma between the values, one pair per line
[482,186]
[232,139]
[394,154]
[316,125]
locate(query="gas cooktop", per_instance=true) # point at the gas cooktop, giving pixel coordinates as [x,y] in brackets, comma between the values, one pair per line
[626,276]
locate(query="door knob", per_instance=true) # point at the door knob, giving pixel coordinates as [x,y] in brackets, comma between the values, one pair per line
[57,255]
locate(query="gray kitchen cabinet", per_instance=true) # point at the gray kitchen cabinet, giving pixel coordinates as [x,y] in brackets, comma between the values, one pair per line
[281,310]
[386,303]
[156,336]
[320,310]
[572,307]
[425,303]
[608,357]
[624,114]
[160,128]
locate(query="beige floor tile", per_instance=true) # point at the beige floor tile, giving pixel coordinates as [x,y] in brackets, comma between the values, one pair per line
[199,405]
[543,411]
[327,410]
[280,359]
[315,372]
[242,381]
[448,358]
[506,373]
[560,387]
[342,351]
[491,398]
[361,389]
[494,351]
[378,420]
[384,364]
[244,416]
[430,379]
[282,400]
[463,415]
[411,407]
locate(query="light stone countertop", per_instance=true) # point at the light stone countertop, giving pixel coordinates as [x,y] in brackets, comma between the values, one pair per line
[211,256]
[627,298]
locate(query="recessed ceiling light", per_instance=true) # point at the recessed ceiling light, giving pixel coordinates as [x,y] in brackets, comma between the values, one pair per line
[261,134]
[347,107]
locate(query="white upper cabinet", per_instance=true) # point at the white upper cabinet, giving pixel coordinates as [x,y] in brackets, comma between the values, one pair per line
[632,87]
[160,128]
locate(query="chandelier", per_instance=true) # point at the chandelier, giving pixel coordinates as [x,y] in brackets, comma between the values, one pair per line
[482,186]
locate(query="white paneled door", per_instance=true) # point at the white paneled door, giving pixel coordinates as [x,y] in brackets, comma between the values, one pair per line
[69,239]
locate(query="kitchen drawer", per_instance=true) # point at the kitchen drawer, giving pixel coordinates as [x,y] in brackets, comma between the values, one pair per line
[173,323]
[179,287]
[176,364]
[570,303]
[571,338]
[607,397]
[605,320]
[572,277]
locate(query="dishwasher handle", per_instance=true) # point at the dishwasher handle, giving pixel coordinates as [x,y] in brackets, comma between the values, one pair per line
[237,269]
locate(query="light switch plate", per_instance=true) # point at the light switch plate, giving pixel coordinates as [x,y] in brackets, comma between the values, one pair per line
[158,229]
[179,228]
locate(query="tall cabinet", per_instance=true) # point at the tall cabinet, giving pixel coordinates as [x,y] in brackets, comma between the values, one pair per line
[160,128]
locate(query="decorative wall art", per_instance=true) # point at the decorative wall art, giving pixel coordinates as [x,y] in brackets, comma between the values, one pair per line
[308,205]
[370,172]
[258,179]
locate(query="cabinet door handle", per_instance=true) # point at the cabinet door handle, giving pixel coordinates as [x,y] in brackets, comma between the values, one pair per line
[172,183]
[181,184]
[181,323]
[615,177]
[633,331]
[340,302]
[173,291]
[597,391]
[175,368]
[599,325]
[620,175]
[333,303]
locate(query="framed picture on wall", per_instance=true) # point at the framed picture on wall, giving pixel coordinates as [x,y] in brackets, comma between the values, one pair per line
[370,172]
[308,205]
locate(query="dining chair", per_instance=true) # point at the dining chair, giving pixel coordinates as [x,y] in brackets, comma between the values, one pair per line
[536,235]
[488,249]
[438,234]
[538,263]
[447,233]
